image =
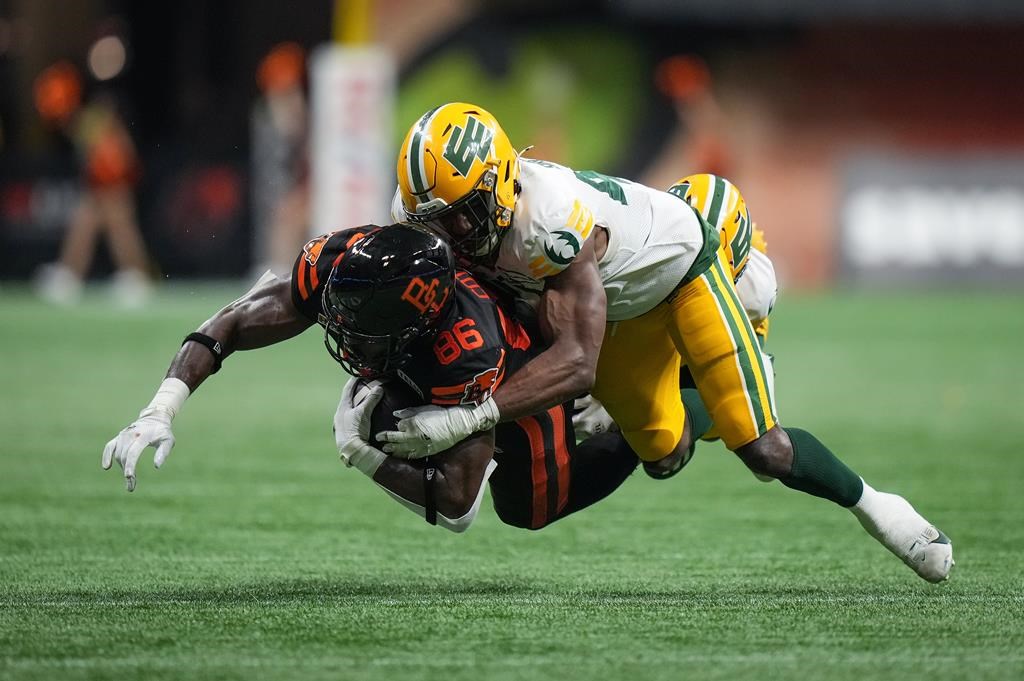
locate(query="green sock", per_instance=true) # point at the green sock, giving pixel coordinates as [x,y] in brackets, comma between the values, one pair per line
[700,419]
[817,471]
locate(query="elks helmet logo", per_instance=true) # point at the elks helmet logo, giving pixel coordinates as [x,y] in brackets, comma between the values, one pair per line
[479,389]
[468,145]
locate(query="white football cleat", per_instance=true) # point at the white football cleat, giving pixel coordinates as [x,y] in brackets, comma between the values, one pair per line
[891,520]
[931,555]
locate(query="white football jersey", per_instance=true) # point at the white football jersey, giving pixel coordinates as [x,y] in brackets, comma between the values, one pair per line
[653,237]
[757,286]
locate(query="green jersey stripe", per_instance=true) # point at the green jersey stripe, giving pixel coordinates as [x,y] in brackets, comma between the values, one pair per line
[747,331]
[756,417]
[750,361]
[708,252]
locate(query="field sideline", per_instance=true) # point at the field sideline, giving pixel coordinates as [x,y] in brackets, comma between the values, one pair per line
[255,554]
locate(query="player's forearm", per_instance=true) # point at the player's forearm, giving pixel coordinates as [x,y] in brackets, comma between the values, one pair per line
[263,316]
[572,316]
[405,479]
[553,377]
[459,474]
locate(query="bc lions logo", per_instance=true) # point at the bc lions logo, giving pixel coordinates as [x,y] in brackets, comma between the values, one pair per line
[479,389]
[313,247]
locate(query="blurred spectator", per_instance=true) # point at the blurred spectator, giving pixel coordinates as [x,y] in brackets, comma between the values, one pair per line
[280,164]
[109,171]
[699,144]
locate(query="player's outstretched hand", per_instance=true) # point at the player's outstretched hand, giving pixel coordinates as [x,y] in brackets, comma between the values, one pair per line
[352,424]
[589,417]
[423,431]
[152,428]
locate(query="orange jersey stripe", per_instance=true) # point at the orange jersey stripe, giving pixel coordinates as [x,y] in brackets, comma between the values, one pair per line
[314,280]
[514,332]
[561,456]
[348,244]
[352,239]
[460,388]
[449,390]
[303,291]
[538,469]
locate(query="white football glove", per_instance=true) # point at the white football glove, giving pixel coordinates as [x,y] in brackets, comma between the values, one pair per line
[590,418]
[152,428]
[423,431]
[352,425]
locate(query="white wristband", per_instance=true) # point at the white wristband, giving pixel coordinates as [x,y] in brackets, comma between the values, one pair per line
[366,460]
[487,414]
[169,398]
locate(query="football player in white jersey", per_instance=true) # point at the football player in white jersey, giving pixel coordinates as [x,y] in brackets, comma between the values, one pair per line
[628,283]
[751,270]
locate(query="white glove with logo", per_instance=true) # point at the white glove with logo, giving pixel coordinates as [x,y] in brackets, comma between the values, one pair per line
[352,425]
[151,429]
[423,431]
[590,418]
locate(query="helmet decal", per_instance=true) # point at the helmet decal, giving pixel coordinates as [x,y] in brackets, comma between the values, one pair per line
[392,287]
[417,167]
[467,146]
[739,246]
[720,203]
[423,296]
[457,174]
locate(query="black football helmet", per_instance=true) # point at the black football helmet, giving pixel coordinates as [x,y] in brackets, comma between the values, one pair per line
[392,286]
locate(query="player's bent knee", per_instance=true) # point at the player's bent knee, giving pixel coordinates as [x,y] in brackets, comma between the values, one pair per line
[517,517]
[769,455]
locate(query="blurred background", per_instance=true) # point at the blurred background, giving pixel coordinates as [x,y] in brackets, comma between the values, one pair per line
[160,156]
[874,141]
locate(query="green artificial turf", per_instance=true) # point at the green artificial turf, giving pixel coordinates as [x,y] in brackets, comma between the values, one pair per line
[255,554]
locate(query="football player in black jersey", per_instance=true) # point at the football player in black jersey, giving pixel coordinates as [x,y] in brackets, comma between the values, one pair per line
[397,307]
[393,307]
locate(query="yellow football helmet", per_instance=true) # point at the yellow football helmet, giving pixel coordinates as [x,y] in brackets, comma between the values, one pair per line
[722,205]
[458,173]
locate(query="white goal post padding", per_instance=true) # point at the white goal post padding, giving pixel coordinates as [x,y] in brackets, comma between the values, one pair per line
[351,148]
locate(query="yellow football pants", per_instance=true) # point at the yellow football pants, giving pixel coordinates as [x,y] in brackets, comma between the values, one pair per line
[704,325]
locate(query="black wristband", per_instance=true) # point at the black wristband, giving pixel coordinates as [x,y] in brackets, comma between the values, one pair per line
[429,501]
[211,344]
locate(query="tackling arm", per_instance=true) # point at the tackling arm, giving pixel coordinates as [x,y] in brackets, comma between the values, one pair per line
[572,315]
